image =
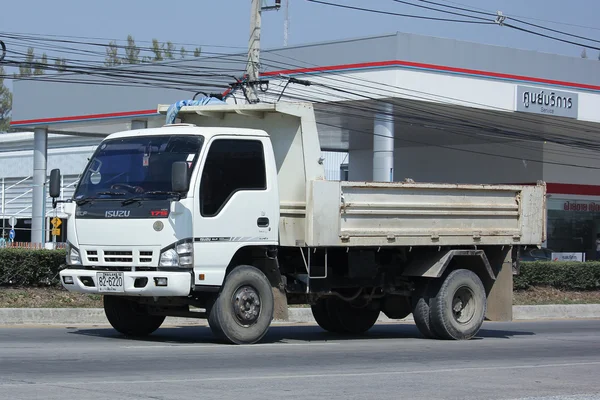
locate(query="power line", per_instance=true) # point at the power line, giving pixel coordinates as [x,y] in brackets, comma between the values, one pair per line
[386,90]
[525,17]
[187,83]
[398,14]
[490,130]
[491,14]
[442,11]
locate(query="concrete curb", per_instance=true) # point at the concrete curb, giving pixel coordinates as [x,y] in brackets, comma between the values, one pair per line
[556,311]
[95,316]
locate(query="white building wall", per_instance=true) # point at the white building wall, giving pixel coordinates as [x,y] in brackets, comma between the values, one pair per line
[332,162]
[572,166]
[70,154]
[478,163]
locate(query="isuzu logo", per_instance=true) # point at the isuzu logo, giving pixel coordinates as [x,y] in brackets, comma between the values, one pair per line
[117,214]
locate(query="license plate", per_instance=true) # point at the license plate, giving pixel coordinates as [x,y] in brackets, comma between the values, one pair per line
[110,282]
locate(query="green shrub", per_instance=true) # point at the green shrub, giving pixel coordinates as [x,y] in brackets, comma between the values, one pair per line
[25,267]
[559,275]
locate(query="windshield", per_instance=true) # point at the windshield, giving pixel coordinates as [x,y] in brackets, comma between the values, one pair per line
[136,165]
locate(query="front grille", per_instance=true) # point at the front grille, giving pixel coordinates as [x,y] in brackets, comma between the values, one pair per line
[92,255]
[118,257]
[115,259]
[145,256]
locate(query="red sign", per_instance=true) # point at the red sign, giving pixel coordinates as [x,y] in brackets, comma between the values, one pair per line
[159,213]
[586,207]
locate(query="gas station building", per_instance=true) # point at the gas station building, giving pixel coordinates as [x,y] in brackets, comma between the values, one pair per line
[389,108]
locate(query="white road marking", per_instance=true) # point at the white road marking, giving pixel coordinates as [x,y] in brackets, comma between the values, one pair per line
[304,376]
[226,346]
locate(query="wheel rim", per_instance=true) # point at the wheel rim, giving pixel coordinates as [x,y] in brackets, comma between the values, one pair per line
[246,305]
[463,305]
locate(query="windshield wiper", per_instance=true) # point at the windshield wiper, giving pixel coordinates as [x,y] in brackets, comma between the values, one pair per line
[88,199]
[111,193]
[151,193]
[158,192]
[84,200]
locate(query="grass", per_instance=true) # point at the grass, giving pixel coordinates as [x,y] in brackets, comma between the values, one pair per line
[547,295]
[60,298]
[46,298]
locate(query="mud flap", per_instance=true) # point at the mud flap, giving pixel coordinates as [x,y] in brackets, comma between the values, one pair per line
[500,298]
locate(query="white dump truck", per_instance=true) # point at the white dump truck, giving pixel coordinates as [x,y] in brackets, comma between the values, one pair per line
[227,216]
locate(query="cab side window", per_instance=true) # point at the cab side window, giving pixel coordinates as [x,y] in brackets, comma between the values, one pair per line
[232,165]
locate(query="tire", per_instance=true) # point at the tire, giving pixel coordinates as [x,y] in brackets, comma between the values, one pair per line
[396,307]
[458,310]
[352,319]
[243,310]
[328,322]
[421,309]
[129,317]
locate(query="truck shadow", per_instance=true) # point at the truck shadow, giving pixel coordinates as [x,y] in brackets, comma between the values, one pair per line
[199,334]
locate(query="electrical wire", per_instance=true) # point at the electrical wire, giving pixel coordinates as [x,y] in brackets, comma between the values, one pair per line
[494,15]
[443,11]
[386,90]
[196,74]
[397,14]
[521,16]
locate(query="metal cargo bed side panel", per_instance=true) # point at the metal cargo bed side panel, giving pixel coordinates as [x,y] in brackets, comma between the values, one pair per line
[410,214]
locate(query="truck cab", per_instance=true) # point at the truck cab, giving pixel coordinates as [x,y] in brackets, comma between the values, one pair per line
[160,212]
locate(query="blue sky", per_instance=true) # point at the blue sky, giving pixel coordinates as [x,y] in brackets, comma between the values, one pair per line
[226,23]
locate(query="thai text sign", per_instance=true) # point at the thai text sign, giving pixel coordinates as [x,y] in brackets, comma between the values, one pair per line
[549,102]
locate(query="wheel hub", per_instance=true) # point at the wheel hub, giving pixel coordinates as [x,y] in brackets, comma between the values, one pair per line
[246,305]
[463,305]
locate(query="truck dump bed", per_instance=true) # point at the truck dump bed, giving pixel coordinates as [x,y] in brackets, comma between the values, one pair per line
[316,212]
[418,214]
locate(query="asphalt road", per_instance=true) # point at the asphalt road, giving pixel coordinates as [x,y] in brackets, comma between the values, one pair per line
[537,360]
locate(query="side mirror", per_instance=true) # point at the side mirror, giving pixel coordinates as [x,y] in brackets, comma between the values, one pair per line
[179,177]
[55,183]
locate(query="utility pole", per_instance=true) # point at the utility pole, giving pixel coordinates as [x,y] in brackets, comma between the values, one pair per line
[252,69]
[253,66]
[286,23]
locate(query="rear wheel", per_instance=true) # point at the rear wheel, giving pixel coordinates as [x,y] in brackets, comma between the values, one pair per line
[327,321]
[458,309]
[243,310]
[421,307]
[129,317]
[352,318]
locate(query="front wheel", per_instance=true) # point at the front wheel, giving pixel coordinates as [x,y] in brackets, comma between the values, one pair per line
[243,310]
[458,310]
[129,317]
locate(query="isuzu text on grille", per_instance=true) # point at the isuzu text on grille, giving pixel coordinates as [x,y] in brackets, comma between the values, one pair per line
[117,214]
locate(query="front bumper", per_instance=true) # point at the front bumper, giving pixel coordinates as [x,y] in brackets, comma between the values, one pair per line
[85,281]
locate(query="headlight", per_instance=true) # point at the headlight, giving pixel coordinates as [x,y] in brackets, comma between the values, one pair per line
[182,255]
[169,258]
[183,248]
[73,257]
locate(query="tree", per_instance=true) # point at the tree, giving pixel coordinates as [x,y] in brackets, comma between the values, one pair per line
[60,64]
[584,54]
[112,55]
[41,65]
[169,51]
[183,52]
[5,103]
[197,52]
[132,52]
[25,66]
[157,50]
